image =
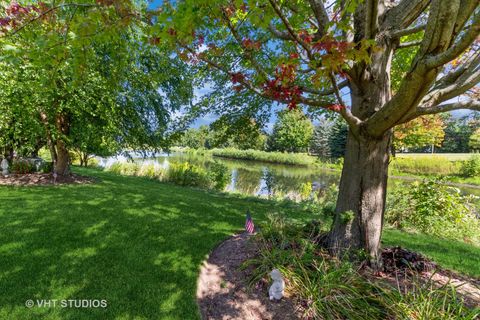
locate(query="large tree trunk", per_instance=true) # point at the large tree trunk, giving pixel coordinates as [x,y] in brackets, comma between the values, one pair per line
[62,166]
[363,191]
[363,183]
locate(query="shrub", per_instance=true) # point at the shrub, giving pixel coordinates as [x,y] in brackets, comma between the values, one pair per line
[22,167]
[328,209]
[328,194]
[306,190]
[220,175]
[46,167]
[186,174]
[471,167]
[147,170]
[115,167]
[124,168]
[433,208]
[93,162]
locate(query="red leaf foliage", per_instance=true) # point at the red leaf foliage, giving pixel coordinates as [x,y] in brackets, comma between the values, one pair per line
[238,77]
[250,44]
[282,87]
[305,36]
[335,107]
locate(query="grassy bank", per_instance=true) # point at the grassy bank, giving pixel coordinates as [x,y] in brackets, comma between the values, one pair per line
[301,159]
[136,243]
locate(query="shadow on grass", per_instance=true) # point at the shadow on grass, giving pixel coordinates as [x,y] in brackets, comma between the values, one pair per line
[135,243]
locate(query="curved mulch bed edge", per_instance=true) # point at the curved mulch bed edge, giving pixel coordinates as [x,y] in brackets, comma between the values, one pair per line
[36,179]
[222,291]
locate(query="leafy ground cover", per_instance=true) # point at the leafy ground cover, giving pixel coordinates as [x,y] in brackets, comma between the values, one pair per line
[136,243]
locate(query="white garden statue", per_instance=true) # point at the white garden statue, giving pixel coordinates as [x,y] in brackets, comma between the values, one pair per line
[276,289]
[4,166]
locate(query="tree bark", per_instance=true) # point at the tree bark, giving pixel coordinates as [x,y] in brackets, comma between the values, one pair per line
[362,190]
[62,165]
[85,159]
[363,183]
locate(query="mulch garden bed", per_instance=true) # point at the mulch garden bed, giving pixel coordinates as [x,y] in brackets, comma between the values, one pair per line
[400,264]
[33,179]
[223,293]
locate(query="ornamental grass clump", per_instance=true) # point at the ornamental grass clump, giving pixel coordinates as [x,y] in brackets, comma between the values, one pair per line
[425,299]
[124,168]
[433,165]
[326,287]
[323,287]
[257,155]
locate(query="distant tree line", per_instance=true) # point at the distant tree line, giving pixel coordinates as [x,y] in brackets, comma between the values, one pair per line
[293,131]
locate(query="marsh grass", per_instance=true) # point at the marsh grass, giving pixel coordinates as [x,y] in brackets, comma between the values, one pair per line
[432,165]
[216,176]
[273,157]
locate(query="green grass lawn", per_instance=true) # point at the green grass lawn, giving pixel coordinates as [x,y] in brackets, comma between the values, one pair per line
[134,242]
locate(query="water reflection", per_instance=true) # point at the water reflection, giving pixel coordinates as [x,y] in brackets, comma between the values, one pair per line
[250,177]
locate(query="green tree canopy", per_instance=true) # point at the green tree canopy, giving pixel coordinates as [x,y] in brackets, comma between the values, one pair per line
[89,78]
[292,132]
[474,142]
[420,132]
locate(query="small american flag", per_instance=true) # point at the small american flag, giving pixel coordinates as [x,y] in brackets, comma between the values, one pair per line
[249,226]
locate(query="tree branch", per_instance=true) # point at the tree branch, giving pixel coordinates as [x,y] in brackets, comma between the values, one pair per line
[418,81]
[326,92]
[371,13]
[279,34]
[249,85]
[320,15]
[409,44]
[247,52]
[41,15]
[468,7]
[290,30]
[448,91]
[454,51]
[467,104]
[404,14]
[405,32]
[467,66]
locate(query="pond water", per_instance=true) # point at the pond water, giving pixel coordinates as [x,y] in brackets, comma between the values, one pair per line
[254,177]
